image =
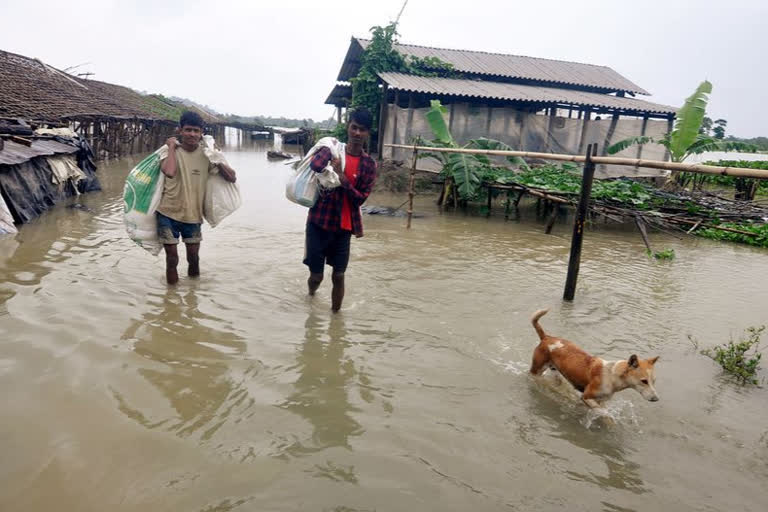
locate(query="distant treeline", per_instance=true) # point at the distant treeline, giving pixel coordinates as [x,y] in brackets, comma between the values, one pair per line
[760,142]
[286,122]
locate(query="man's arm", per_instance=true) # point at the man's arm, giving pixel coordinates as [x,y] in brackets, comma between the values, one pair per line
[227,172]
[169,164]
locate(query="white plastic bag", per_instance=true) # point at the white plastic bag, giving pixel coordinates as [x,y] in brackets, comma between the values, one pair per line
[303,186]
[221,196]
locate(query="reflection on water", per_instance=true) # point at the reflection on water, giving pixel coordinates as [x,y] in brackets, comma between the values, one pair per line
[192,363]
[321,393]
[236,392]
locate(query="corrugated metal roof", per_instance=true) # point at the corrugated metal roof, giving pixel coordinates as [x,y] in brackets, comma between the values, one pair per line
[503,65]
[518,92]
[340,95]
[14,153]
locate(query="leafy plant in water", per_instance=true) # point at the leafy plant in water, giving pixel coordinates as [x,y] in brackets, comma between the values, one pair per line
[760,240]
[736,358]
[666,254]
[686,138]
[468,171]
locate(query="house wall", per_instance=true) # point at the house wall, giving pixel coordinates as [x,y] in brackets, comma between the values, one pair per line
[525,131]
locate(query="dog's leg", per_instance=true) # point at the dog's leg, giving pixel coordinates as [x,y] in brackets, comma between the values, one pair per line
[588,397]
[540,359]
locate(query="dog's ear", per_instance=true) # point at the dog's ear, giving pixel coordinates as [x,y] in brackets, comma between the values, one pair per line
[653,360]
[633,361]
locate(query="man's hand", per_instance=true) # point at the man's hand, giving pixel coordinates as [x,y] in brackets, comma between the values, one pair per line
[227,172]
[171,142]
[336,164]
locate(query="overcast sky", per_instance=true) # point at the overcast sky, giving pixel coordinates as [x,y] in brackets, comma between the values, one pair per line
[282,57]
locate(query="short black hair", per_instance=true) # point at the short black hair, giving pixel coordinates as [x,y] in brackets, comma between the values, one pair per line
[190,118]
[362,117]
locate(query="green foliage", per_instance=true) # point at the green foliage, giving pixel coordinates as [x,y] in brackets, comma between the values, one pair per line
[666,254]
[730,181]
[381,56]
[688,121]
[285,122]
[163,107]
[761,240]
[736,358]
[761,143]
[688,136]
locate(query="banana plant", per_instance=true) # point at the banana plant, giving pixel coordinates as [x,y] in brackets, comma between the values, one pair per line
[464,169]
[685,138]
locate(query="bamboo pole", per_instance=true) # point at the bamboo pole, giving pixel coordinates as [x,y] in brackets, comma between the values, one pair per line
[607,160]
[410,187]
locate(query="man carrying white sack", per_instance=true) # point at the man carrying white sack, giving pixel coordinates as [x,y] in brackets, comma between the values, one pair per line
[180,212]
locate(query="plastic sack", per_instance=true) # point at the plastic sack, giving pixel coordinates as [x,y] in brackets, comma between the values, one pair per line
[303,187]
[141,196]
[222,197]
[6,219]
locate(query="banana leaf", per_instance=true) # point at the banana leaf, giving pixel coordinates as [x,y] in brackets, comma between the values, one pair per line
[624,144]
[688,122]
[494,145]
[437,123]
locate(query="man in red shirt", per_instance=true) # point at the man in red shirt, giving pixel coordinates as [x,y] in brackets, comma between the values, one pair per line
[336,215]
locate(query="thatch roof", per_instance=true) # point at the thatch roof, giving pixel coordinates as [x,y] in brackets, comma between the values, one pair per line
[33,90]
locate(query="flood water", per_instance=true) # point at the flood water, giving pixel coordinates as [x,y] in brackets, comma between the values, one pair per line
[238,392]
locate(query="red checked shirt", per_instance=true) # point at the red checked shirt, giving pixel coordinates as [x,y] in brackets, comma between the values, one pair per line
[327,212]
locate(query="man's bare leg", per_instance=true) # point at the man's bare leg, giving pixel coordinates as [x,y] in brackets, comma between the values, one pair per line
[193,259]
[337,294]
[171,262]
[313,283]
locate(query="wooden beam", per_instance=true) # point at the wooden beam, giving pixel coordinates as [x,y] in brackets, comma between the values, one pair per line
[642,133]
[382,120]
[578,225]
[584,129]
[611,131]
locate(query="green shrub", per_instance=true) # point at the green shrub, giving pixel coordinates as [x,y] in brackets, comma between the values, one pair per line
[736,358]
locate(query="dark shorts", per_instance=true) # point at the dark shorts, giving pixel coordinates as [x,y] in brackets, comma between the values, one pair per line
[168,231]
[321,247]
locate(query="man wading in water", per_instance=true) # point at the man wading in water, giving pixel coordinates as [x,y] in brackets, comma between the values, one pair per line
[336,215]
[180,211]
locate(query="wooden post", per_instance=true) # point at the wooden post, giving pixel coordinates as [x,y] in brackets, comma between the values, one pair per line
[584,129]
[338,109]
[382,120]
[643,233]
[396,112]
[670,127]
[410,187]
[552,218]
[490,197]
[642,133]
[611,131]
[409,119]
[578,224]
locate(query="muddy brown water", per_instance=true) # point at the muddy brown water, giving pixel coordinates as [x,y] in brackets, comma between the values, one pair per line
[237,392]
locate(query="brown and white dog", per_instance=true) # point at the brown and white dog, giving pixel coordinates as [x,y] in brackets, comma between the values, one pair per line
[597,379]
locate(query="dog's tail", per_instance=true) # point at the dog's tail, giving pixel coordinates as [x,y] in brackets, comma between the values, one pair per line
[535,321]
